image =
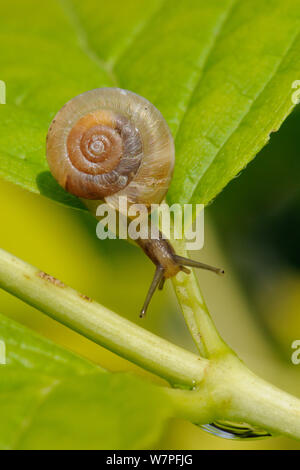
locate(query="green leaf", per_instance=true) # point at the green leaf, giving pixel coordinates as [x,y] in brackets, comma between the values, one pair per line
[221,73]
[53,399]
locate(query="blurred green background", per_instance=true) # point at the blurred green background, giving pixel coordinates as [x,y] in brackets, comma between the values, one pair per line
[252,229]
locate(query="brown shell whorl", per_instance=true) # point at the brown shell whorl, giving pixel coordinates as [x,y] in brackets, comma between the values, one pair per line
[110,142]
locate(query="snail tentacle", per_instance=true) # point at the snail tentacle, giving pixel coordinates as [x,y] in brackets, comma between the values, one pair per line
[197,264]
[162,283]
[168,264]
[158,277]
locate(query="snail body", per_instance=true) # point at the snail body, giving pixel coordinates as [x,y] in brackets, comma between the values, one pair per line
[108,143]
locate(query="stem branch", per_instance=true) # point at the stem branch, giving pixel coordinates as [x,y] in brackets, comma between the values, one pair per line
[223,387]
[98,323]
[230,391]
[195,311]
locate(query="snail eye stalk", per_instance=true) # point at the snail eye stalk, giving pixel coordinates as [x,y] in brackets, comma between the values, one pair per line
[196,264]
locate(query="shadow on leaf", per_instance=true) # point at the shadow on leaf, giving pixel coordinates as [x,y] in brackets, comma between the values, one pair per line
[50,188]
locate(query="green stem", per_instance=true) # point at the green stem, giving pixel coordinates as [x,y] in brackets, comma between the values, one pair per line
[230,391]
[241,396]
[223,387]
[98,323]
[195,311]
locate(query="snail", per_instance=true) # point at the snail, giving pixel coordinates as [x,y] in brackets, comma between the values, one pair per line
[109,142]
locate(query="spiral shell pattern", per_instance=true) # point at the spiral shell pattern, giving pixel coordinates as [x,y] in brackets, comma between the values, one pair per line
[108,143]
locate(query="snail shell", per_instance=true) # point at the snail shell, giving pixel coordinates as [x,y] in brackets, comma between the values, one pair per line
[110,142]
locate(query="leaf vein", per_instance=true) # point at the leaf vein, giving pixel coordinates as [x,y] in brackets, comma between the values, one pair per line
[253,101]
[216,37]
[83,41]
[139,31]
[27,422]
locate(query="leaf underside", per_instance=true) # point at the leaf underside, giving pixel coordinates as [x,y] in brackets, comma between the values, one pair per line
[220,72]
